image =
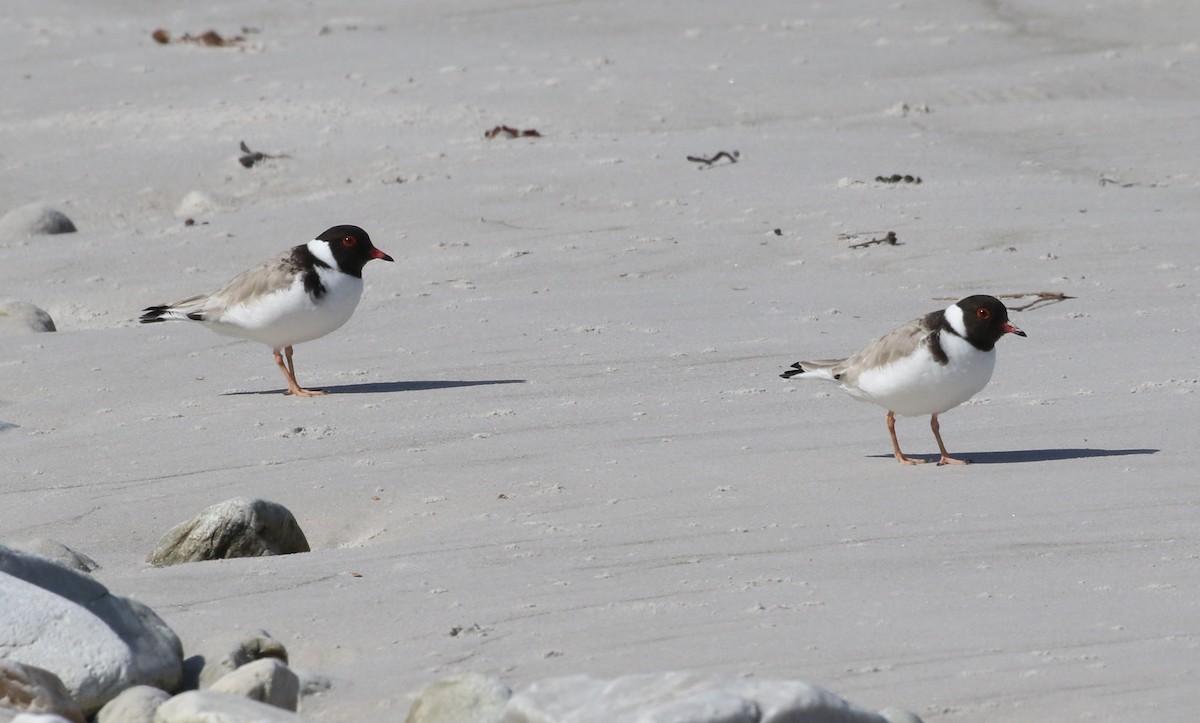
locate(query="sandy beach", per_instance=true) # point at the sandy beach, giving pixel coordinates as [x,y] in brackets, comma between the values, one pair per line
[555,439]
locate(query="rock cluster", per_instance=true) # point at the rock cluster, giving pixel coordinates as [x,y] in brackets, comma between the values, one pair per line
[675,697]
[35,219]
[70,650]
[97,643]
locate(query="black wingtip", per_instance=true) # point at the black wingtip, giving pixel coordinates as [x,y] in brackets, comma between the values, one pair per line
[152,314]
[796,369]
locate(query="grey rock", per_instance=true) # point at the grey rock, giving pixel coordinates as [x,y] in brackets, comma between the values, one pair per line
[28,689]
[267,681]
[55,551]
[21,317]
[240,527]
[257,645]
[97,643]
[133,705]
[210,706]
[35,219]
[468,698]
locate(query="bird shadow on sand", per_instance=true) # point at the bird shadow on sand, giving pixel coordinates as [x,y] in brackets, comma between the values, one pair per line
[391,387]
[1033,455]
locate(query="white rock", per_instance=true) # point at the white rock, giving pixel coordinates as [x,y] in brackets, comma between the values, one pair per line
[196,203]
[899,715]
[209,706]
[267,681]
[66,622]
[55,551]
[467,698]
[710,706]
[312,683]
[133,705]
[240,527]
[34,219]
[255,646]
[780,698]
[28,691]
[677,697]
[21,317]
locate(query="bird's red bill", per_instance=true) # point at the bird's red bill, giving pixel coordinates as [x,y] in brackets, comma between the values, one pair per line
[1009,328]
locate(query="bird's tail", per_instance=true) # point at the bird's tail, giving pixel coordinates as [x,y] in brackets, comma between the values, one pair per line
[186,310]
[159,313]
[814,369]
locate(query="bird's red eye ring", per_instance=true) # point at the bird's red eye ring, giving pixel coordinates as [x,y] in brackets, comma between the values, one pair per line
[984,314]
[349,241]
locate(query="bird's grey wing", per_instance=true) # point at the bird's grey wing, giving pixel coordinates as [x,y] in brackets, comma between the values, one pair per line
[183,306]
[819,364]
[266,278]
[896,344]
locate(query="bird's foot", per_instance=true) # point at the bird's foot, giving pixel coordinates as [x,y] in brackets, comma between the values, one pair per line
[301,392]
[905,459]
[947,459]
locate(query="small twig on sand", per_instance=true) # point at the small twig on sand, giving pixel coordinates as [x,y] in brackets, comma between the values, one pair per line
[209,38]
[1106,181]
[858,234]
[1041,298]
[897,178]
[732,156]
[511,132]
[253,157]
[889,239]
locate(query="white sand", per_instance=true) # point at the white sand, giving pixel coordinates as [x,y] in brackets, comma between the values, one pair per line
[556,422]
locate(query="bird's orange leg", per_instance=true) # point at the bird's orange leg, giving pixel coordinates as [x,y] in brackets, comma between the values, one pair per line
[937,434]
[289,373]
[900,456]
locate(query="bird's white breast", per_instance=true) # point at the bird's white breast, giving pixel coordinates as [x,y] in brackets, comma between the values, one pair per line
[917,384]
[291,315]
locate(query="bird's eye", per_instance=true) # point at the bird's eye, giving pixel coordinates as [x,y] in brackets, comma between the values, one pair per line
[984,314]
[349,241]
